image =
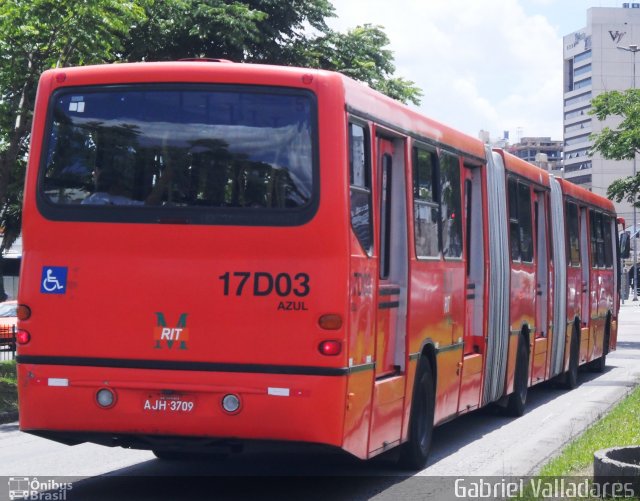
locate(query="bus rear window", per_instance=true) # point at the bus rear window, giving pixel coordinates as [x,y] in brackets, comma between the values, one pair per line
[214,154]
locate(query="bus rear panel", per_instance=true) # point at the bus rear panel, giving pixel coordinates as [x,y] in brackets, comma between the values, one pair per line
[184,275]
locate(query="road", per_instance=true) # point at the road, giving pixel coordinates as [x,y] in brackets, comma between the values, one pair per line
[483,444]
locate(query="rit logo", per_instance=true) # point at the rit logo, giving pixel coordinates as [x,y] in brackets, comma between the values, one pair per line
[170,337]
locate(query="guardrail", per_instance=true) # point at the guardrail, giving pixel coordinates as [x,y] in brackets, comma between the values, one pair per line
[7,342]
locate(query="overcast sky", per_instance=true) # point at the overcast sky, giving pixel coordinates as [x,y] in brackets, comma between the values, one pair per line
[494,65]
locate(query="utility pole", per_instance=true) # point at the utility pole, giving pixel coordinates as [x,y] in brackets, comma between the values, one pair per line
[634,49]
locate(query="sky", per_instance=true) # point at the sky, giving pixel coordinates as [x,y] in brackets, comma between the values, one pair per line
[493,65]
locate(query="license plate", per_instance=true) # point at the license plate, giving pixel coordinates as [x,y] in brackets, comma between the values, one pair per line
[169,403]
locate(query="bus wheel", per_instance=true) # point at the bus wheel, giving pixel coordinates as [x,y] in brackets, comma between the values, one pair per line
[415,452]
[518,399]
[571,376]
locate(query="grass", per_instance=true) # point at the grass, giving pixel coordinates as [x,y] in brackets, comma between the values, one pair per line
[619,427]
[8,386]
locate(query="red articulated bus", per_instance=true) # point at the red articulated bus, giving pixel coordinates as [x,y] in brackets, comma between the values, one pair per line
[217,253]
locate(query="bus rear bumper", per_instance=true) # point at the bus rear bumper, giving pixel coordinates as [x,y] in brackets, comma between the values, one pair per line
[61,402]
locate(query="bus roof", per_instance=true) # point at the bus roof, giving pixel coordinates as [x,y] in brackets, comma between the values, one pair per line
[363,101]
[579,193]
[184,71]
[524,168]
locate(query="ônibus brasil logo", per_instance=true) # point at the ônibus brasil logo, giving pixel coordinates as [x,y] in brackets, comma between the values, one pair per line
[171,337]
[41,490]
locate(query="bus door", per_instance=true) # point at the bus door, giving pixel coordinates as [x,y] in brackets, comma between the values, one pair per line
[474,257]
[585,307]
[541,335]
[392,276]
[391,316]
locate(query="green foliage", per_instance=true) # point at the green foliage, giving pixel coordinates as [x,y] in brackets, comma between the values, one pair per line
[262,31]
[8,386]
[361,54]
[8,396]
[8,370]
[270,32]
[626,189]
[36,35]
[618,428]
[621,142]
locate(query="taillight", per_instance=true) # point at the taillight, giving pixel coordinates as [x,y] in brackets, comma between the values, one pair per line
[330,347]
[23,312]
[330,322]
[22,336]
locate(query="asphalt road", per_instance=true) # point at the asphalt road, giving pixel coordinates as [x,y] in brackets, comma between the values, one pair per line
[482,444]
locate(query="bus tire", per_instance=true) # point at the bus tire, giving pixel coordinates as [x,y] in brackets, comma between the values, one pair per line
[571,376]
[414,453]
[518,399]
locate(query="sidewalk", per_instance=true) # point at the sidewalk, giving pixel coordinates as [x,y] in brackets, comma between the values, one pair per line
[629,319]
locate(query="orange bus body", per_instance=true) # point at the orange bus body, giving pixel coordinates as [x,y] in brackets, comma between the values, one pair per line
[315,310]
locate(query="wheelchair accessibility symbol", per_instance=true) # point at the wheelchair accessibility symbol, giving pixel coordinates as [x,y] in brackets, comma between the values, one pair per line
[54,280]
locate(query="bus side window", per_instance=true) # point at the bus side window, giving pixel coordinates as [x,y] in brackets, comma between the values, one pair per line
[360,181]
[450,206]
[573,234]
[597,240]
[524,218]
[514,227]
[600,240]
[425,203]
[520,224]
[608,241]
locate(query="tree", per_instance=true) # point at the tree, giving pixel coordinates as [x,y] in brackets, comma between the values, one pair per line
[36,35]
[361,54]
[622,142]
[242,30]
[264,31]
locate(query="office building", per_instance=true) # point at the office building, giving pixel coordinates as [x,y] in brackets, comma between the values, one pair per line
[594,63]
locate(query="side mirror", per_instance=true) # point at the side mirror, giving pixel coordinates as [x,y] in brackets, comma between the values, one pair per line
[625,245]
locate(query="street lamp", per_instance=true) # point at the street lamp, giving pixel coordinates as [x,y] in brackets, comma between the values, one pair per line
[633,49]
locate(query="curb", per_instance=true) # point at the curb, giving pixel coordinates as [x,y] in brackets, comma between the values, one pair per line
[8,417]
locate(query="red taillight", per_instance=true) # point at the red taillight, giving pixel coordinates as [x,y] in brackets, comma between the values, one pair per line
[23,312]
[330,321]
[61,77]
[330,347]
[22,336]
